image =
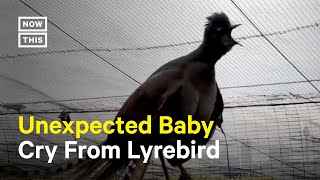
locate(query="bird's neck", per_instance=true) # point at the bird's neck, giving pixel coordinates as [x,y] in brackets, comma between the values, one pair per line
[207,53]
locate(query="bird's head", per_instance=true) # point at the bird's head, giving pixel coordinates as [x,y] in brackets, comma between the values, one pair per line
[217,34]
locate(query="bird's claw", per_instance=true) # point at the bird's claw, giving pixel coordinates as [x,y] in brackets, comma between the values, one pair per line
[185,176]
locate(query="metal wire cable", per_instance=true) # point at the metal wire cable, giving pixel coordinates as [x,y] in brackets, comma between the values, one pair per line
[251,147]
[122,96]
[116,110]
[85,47]
[34,89]
[278,50]
[282,32]
[306,51]
[228,160]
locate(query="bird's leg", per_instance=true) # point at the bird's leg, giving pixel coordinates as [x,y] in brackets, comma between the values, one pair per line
[164,167]
[137,172]
[184,174]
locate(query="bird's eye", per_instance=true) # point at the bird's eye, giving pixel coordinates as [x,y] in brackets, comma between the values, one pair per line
[219,29]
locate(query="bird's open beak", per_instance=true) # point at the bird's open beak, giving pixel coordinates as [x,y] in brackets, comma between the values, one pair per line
[234,26]
[238,43]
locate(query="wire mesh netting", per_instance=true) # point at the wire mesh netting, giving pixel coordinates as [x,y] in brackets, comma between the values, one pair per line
[100,51]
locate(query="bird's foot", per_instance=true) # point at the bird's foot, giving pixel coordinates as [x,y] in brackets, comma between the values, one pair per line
[185,176]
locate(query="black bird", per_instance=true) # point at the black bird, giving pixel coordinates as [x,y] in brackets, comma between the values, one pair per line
[182,87]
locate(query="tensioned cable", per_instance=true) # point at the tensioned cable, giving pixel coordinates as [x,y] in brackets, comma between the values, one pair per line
[79,99]
[33,89]
[267,154]
[122,96]
[97,55]
[228,159]
[116,110]
[315,24]
[278,50]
